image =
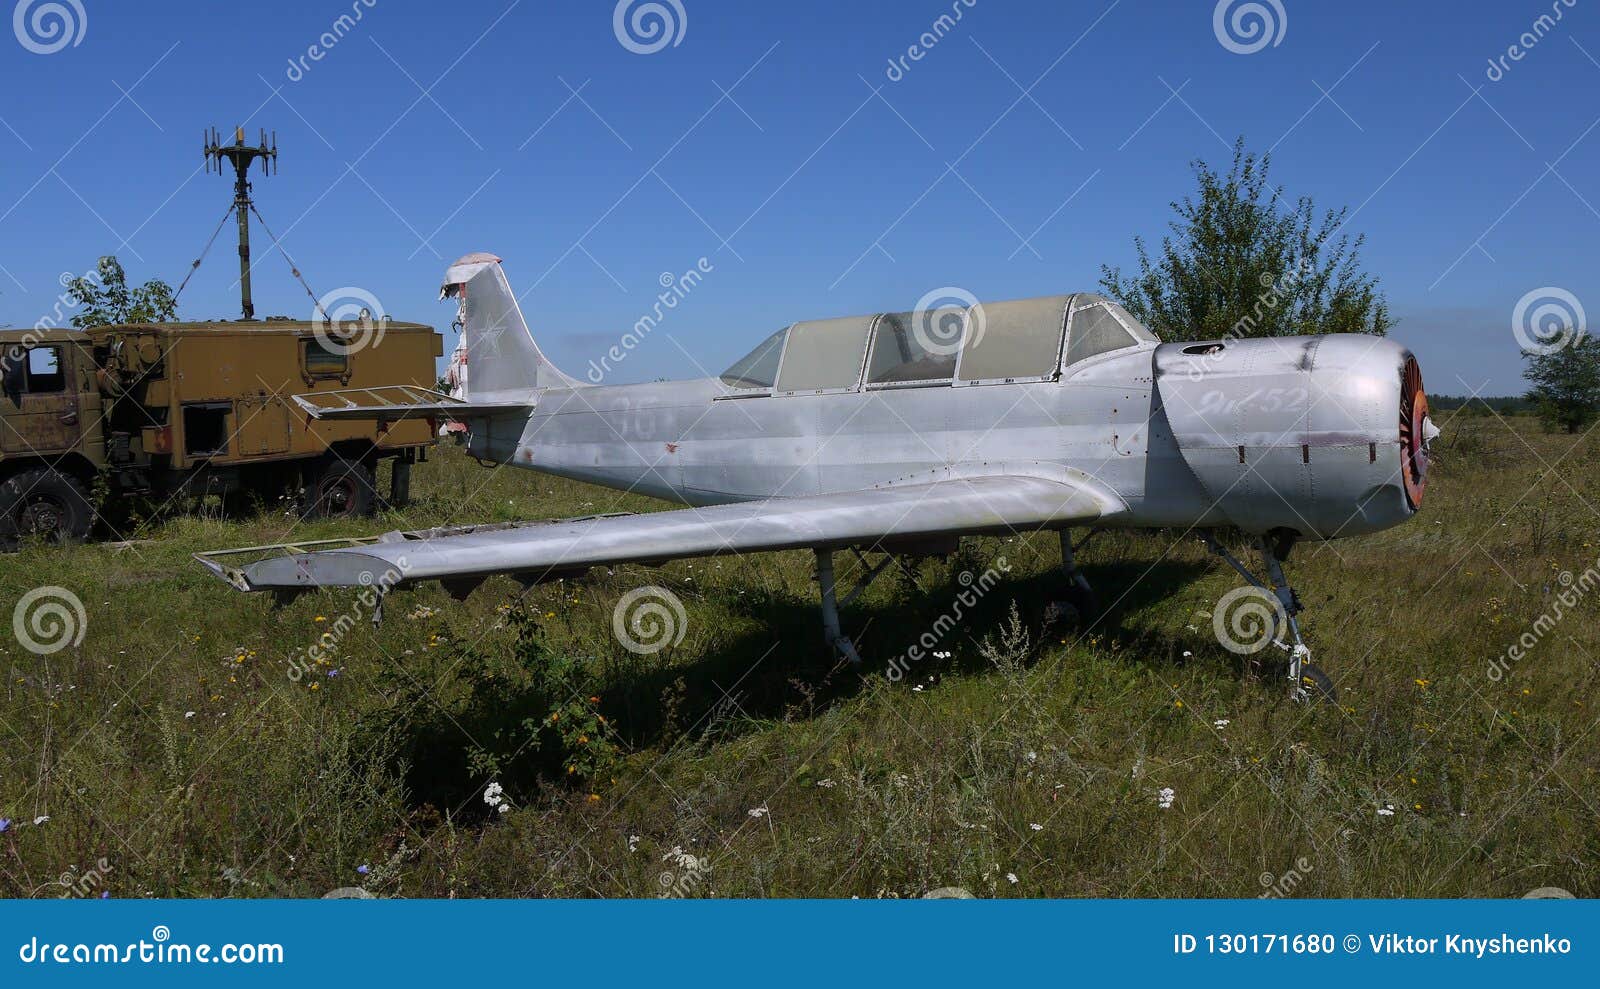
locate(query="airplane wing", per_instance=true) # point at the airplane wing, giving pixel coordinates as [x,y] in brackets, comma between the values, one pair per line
[982,505]
[396,403]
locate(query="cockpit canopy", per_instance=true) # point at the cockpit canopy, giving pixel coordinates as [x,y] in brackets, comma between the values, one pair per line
[1020,340]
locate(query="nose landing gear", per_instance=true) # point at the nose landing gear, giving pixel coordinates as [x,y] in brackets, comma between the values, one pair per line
[1307,682]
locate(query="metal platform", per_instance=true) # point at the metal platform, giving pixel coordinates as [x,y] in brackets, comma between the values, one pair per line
[394,403]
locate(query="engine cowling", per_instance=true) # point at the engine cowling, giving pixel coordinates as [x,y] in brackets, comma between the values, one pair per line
[1324,436]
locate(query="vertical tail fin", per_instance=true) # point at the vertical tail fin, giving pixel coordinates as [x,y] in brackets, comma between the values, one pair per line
[501,357]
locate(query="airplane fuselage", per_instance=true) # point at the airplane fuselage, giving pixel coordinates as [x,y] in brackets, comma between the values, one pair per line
[1296,433]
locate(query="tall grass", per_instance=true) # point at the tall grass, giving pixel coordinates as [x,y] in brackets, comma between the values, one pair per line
[172,744]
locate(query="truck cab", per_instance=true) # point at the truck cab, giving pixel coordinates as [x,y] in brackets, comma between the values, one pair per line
[51,433]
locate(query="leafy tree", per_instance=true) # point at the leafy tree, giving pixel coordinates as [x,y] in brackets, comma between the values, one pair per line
[1243,261]
[106,298]
[1566,383]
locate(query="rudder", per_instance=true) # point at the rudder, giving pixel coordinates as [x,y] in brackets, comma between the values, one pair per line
[501,355]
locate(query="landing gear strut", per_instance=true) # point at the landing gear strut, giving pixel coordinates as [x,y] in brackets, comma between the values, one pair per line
[831,602]
[1307,681]
[1078,604]
[1079,593]
[835,638]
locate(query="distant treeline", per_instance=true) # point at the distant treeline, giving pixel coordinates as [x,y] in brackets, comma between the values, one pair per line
[1505,405]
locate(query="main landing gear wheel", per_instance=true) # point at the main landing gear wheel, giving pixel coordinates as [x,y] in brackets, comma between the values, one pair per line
[1316,685]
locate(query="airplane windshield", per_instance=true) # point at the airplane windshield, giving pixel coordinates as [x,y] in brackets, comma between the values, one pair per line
[1096,330]
[759,368]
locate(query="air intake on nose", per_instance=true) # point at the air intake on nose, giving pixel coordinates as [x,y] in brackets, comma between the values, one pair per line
[1414,432]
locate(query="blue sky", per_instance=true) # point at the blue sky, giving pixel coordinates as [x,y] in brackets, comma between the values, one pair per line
[1027,146]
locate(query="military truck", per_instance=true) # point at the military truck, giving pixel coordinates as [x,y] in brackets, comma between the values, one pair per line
[180,411]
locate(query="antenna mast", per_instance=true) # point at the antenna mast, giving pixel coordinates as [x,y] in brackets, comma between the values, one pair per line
[240,156]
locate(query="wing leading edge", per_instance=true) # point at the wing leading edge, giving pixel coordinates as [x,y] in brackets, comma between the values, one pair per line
[985,505]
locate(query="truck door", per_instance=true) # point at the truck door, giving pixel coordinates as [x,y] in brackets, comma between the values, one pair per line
[263,425]
[39,410]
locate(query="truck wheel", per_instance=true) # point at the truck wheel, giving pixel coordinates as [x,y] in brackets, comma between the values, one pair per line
[340,489]
[47,503]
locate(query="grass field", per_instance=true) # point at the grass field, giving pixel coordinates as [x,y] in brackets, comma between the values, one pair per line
[174,754]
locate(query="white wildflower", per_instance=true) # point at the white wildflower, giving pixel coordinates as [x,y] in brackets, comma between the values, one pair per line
[1011,877]
[493,795]
[1220,723]
[758,812]
[1036,827]
[1166,796]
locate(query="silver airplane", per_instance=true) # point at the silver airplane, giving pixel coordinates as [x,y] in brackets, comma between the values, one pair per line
[899,433]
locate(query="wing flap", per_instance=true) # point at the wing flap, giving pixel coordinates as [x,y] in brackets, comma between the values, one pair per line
[985,505]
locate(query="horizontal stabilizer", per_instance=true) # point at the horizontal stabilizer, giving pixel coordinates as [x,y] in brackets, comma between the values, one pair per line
[397,403]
